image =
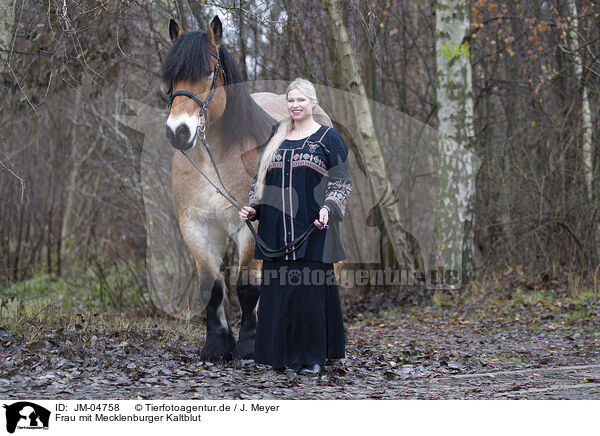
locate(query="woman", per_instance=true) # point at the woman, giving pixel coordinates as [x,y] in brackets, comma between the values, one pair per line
[302,178]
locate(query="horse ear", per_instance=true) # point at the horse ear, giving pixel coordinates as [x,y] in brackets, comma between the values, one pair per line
[175,30]
[215,32]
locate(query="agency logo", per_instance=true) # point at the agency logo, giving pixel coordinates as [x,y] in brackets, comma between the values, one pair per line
[26,415]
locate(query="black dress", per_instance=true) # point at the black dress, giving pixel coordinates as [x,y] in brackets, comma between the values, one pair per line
[298,324]
[299,312]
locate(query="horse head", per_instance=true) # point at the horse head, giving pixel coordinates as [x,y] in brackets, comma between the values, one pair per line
[194,72]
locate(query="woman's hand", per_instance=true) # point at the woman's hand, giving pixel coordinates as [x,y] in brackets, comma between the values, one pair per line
[323,217]
[246,213]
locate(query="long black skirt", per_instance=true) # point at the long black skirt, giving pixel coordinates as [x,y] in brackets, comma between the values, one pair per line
[299,314]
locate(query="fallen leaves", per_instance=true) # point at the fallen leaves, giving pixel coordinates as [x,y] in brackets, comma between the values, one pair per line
[412,353]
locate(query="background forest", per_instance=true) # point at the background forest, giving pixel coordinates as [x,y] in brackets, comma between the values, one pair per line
[71,204]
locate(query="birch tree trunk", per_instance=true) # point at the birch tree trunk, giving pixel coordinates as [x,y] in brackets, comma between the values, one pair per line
[586,118]
[586,113]
[7,23]
[242,38]
[456,171]
[367,136]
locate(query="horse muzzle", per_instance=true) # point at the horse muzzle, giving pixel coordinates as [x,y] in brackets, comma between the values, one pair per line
[180,138]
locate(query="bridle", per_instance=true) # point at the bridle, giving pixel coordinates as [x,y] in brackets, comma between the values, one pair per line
[201,127]
[201,133]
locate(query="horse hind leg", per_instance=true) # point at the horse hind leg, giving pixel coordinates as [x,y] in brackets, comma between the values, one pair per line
[248,293]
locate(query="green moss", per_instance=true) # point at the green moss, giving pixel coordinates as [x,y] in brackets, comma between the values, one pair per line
[530,298]
[585,299]
[455,51]
[96,288]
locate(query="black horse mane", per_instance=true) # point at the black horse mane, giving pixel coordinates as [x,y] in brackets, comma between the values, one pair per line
[190,59]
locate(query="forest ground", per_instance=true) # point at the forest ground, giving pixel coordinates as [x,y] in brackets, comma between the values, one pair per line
[528,344]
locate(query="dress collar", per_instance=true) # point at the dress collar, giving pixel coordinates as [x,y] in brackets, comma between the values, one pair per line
[289,144]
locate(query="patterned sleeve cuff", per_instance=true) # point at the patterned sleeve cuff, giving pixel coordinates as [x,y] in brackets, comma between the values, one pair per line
[337,196]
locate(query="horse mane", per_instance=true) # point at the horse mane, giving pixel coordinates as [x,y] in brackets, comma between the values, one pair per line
[189,59]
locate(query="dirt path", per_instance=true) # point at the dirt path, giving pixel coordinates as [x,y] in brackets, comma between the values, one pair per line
[471,352]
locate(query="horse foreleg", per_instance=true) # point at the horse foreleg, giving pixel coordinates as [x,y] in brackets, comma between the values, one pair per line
[248,293]
[219,341]
[208,249]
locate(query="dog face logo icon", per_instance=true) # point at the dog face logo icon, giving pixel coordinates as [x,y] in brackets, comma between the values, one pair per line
[26,415]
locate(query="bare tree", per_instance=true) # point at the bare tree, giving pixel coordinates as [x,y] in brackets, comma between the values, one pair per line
[7,26]
[456,132]
[369,144]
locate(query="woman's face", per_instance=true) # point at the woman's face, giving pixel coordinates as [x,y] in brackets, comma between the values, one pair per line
[299,105]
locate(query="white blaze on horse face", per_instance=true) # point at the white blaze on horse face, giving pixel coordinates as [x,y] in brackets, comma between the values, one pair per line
[181,119]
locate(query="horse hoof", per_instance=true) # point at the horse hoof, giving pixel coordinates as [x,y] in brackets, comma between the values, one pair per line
[213,356]
[217,348]
[244,349]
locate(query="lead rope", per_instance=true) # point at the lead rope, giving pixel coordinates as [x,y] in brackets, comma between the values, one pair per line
[201,129]
[269,252]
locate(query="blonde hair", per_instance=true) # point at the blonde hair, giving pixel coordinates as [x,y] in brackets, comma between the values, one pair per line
[284,128]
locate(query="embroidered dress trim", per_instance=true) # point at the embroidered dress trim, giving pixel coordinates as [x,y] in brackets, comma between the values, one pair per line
[320,141]
[252,198]
[283,203]
[310,161]
[291,208]
[311,166]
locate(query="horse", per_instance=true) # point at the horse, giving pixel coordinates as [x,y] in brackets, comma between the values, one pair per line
[209,98]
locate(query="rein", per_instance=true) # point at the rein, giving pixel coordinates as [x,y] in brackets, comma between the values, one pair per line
[201,133]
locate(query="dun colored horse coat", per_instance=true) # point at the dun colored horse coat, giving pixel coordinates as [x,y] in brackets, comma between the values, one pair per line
[237,124]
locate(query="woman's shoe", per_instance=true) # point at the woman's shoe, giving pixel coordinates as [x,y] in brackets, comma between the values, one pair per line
[311,369]
[289,370]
